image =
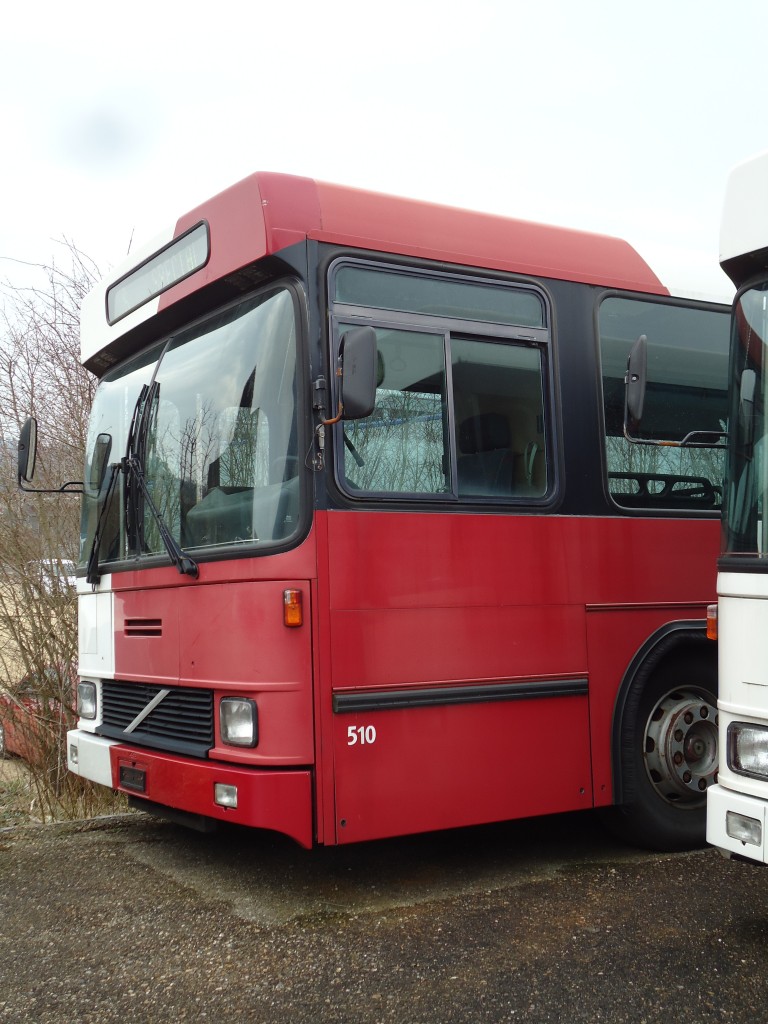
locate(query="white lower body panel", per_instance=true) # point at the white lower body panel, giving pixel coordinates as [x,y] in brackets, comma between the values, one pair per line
[720,803]
[88,756]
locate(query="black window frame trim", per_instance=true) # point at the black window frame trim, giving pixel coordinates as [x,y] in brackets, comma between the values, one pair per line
[613,506]
[296,287]
[541,338]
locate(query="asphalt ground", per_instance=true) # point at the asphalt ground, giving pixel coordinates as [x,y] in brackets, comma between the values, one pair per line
[132,919]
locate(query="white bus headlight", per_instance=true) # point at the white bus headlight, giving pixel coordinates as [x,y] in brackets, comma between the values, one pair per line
[744,829]
[239,722]
[86,699]
[748,749]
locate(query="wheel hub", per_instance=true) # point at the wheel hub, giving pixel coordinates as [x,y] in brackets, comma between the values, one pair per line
[681,746]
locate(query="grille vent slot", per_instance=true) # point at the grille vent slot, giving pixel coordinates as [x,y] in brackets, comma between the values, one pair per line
[143,627]
[182,722]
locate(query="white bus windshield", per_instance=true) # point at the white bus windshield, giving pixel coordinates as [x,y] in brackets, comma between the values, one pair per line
[746,498]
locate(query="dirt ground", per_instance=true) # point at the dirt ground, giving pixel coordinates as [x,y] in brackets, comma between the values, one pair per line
[16,796]
[540,922]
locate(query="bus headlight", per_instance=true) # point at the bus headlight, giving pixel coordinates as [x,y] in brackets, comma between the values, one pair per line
[748,749]
[86,699]
[745,830]
[239,722]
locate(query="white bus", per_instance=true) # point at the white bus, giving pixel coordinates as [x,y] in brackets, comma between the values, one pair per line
[737,807]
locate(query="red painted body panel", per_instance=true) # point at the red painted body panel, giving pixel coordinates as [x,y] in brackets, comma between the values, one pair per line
[266,212]
[395,647]
[435,768]
[228,638]
[277,800]
[420,560]
[423,600]
[397,600]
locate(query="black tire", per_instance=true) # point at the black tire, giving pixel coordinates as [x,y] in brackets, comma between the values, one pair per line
[669,754]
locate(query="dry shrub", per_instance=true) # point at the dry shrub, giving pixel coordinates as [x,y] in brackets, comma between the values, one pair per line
[41,375]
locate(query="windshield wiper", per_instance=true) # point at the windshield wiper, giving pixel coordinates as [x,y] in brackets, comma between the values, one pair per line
[133,468]
[93,576]
[186,565]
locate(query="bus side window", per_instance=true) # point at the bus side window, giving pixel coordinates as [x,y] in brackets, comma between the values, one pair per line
[686,391]
[498,395]
[402,446]
[498,413]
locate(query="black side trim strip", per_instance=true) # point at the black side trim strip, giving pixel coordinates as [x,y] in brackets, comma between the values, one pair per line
[743,563]
[391,700]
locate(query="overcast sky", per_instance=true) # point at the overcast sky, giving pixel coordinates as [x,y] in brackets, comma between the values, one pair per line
[618,117]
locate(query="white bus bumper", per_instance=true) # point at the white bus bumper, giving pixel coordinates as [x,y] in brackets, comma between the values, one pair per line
[88,756]
[736,823]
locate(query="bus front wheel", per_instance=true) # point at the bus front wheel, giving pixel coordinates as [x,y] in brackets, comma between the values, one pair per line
[669,755]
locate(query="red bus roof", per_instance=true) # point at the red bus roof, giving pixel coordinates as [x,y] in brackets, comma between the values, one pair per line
[265,212]
[281,209]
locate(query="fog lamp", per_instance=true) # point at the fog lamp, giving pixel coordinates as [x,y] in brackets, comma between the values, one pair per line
[748,749]
[746,830]
[73,753]
[239,722]
[86,699]
[224,795]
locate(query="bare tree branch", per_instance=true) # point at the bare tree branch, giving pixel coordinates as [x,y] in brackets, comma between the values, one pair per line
[41,375]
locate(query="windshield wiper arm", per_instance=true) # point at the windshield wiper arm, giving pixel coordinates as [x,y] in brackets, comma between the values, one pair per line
[93,576]
[133,468]
[186,565]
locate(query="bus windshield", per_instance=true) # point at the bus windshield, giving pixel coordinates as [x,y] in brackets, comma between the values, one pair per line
[219,446]
[746,499]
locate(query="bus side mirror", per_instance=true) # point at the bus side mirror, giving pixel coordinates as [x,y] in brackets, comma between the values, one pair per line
[747,388]
[635,382]
[358,355]
[27,451]
[101,453]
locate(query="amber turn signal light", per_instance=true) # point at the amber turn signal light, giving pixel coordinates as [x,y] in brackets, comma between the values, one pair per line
[712,621]
[293,612]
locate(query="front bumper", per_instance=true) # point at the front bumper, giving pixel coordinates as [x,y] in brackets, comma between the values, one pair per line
[720,803]
[276,799]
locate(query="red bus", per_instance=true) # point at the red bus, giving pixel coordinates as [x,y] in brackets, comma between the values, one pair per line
[365,548]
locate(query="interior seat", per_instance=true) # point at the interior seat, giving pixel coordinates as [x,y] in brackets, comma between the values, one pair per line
[486,462]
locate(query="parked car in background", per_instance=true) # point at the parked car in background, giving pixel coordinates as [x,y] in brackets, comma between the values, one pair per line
[36,712]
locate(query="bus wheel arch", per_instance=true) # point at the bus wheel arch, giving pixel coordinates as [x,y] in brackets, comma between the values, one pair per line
[665,740]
